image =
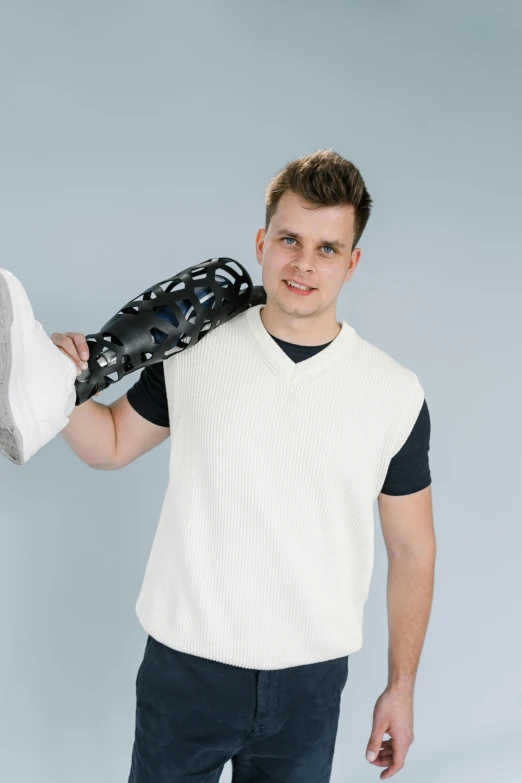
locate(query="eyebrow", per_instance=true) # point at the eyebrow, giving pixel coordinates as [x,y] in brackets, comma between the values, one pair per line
[286,232]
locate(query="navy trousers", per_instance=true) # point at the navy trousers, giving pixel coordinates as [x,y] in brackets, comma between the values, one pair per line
[193,715]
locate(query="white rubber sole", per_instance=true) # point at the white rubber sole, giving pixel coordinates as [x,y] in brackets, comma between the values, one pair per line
[18,426]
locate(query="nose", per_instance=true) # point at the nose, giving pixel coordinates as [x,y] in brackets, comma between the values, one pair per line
[303,264]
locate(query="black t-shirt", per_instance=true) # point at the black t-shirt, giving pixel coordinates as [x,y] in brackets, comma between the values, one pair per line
[409,469]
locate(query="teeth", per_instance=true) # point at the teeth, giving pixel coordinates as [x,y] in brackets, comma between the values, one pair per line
[301,287]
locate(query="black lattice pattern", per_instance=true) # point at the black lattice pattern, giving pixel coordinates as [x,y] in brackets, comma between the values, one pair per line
[165,319]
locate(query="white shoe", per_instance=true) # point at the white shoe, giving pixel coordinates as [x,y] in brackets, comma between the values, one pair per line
[37,380]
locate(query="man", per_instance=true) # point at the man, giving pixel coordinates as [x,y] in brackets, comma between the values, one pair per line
[285,427]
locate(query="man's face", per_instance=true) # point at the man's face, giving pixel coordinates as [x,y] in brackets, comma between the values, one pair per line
[311,246]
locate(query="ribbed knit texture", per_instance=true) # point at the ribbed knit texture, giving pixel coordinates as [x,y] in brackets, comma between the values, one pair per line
[264,549]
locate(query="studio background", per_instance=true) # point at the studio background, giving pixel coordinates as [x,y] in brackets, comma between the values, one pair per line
[137,139]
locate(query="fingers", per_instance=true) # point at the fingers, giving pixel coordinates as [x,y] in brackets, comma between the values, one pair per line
[394,760]
[385,754]
[74,345]
[80,345]
[386,757]
[383,760]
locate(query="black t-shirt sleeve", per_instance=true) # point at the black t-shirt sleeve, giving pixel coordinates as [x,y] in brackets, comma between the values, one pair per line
[148,396]
[409,469]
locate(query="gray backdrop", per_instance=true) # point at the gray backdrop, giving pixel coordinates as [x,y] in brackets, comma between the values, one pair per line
[137,138]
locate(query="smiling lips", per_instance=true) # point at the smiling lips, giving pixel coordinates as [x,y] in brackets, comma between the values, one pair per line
[298,282]
[298,290]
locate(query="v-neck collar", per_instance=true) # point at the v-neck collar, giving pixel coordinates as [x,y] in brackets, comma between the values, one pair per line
[281,364]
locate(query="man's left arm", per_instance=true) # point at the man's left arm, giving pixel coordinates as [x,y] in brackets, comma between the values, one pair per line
[407,525]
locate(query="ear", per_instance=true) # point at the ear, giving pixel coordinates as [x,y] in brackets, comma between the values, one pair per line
[260,241]
[354,260]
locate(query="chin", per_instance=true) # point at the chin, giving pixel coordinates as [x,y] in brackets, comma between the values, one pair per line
[299,308]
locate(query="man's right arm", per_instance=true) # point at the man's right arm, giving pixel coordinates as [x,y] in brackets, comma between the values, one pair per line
[110,437]
[105,437]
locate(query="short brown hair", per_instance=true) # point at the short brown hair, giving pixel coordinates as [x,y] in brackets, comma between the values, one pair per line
[324,179]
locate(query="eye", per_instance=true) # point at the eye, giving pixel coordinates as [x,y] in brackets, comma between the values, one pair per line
[292,239]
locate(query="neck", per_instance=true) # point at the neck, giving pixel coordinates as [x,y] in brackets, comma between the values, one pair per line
[315,329]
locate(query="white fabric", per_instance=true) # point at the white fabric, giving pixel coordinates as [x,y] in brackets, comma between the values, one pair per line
[53,375]
[264,549]
[42,390]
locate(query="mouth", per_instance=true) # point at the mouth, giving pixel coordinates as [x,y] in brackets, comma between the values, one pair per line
[298,291]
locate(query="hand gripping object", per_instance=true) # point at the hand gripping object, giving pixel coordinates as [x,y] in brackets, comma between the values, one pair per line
[167,318]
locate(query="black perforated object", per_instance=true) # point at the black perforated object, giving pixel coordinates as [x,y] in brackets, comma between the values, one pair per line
[165,319]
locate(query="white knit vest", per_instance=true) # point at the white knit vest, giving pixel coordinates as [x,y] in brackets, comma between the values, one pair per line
[264,549]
